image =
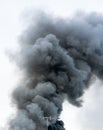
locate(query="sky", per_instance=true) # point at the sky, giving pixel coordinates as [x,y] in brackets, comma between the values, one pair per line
[13,19]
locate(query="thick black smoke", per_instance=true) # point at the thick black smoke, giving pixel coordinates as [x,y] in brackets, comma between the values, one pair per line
[58,57]
[59,125]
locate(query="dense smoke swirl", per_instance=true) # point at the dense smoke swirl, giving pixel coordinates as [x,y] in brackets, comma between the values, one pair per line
[58,57]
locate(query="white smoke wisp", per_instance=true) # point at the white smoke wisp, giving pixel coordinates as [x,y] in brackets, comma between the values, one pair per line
[58,57]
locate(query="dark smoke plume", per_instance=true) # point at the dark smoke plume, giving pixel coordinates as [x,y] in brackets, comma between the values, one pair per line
[59,125]
[58,58]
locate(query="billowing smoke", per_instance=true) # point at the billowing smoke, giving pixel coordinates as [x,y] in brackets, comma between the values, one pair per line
[58,58]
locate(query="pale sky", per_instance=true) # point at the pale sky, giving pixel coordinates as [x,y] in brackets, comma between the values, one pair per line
[12,22]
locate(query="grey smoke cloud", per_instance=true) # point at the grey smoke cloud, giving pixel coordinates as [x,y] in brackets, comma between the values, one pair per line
[58,58]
